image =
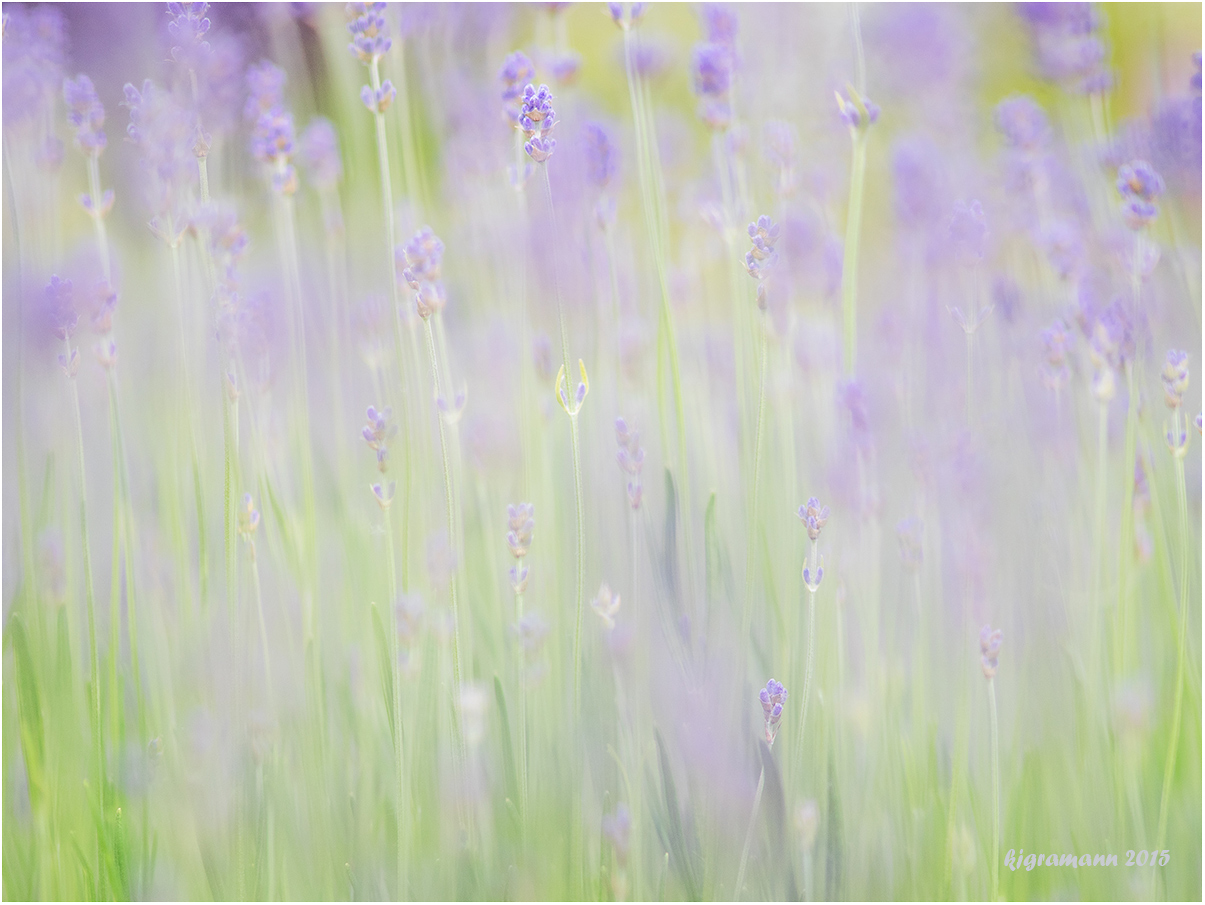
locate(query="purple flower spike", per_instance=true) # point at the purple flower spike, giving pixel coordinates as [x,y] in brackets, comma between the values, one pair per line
[968,229]
[761,257]
[814,517]
[60,305]
[522,524]
[1175,378]
[772,698]
[377,434]
[537,119]
[423,255]
[631,459]
[1139,186]
[602,157]
[626,15]
[369,32]
[989,647]
[1022,123]
[384,493]
[86,114]
[248,517]
[857,112]
[516,73]
[187,29]
[320,153]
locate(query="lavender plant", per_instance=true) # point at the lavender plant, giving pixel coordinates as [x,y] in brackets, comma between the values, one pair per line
[952,332]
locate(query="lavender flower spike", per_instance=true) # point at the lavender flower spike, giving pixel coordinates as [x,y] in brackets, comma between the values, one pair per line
[521,520]
[537,118]
[1139,186]
[772,698]
[369,32]
[859,113]
[572,408]
[606,605]
[814,517]
[86,114]
[1175,378]
[989,647]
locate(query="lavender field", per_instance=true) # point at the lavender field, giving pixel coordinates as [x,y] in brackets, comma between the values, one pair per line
[609,452]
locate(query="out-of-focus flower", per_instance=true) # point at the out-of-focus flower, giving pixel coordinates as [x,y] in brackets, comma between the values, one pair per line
[763,234]
[1064,248]
[626,15]
[164,133]
[857,112]
[606,605]
[989,648]
[377,434]
[712,66]
[383,493]
[522,523]
[86,114]
[1139,186]
[1055,342]
[1023,123]
[1175,378]
[919,175]
[248,517]
[631,459]
[34,50]
[60,307]
[320,152]
[423,256]
[602,157]
[968,230]
[516,74]
[779,149]
[187,29]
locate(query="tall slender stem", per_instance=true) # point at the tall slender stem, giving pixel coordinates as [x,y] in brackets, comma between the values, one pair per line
[995,854]
[443,446]
[391,235]
[849,266]
[754,528]
[522,676]
[581,555]
[396,685]
[740,872]
[90,598]
[263,628]
[1173,742]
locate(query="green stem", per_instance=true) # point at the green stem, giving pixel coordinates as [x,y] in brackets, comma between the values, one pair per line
[807,670]
[1173,743]
[522,717]
[849,267]
[391,235]
[740,872]
[995,853]
[753,527]
[395,679]
[263,628]
[581,555]
[90,598]
[443,446]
